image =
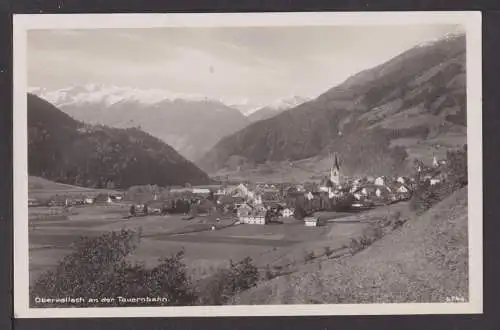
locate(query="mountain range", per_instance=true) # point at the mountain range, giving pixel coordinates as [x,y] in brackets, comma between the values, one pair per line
[190,123]
[65,150]
[379,120]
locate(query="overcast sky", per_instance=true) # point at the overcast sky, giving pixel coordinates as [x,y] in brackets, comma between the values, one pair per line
[259,63]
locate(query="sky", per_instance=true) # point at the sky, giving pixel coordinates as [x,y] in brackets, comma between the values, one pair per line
[258,64]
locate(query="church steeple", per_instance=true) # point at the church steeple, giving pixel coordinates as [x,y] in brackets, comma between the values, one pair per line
[335,171]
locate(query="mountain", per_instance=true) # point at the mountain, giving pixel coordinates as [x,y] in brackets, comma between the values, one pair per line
[276,108]
[67,151]
[378,120]
[192,124]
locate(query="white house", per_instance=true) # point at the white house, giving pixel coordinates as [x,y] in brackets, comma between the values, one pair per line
[401,180]
[250,215]
[88,200]
[434,181]
[288,213]
[313,222]
[402,189]
[380,181]
[201,191]
[254,220]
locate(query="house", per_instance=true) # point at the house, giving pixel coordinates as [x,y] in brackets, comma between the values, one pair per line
[251,215]
[401,180]
[313,222]
[201,191]
[116,198]
[288,212]
[403,189]
[434,181]
[88,200]
[380,181]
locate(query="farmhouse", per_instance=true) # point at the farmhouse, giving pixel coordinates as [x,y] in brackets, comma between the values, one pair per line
[88,200]
[313,222]
[252,215]
[380,181]
[201,191]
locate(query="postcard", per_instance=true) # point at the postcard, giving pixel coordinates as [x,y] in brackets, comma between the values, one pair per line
[247,164]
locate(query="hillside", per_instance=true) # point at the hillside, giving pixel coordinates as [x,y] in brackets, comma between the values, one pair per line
[64,150]
[379,120]
[192,125]
[425,260]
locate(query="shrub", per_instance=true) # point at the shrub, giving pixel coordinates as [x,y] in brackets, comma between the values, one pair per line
[457,170]
[455,173]
[97,269]
[309,256]
[226,283]
[269,273]
[369,235]
[328,251]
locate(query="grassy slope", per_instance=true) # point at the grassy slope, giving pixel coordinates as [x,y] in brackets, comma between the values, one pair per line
[423,261]
[38,183]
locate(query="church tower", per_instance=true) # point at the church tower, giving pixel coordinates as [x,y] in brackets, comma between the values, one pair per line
[335,171]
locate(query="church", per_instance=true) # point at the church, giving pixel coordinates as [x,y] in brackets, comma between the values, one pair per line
[335,179]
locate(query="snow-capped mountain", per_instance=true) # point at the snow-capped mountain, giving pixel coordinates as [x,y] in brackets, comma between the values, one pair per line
[109,95]
[192,124]
[275,108]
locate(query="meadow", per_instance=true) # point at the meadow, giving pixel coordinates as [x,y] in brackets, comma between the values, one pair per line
[53,230]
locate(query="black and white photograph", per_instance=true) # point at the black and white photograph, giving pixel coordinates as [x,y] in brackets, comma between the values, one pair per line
[247,164]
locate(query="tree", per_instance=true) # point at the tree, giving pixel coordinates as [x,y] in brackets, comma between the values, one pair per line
[457,167]
[299,212]
[97,268]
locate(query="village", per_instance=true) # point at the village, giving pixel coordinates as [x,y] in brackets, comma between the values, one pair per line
[260,203]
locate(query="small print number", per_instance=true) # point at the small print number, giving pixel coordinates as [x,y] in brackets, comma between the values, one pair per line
[455,299]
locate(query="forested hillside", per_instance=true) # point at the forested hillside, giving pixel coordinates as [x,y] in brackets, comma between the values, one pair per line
[67,151]
[378,120]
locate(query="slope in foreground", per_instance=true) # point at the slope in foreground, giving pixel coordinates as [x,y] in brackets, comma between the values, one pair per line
[426,260]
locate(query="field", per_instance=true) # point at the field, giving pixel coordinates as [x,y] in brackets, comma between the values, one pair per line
[52,231]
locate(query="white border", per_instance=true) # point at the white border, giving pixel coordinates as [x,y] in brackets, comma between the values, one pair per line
[470,20]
